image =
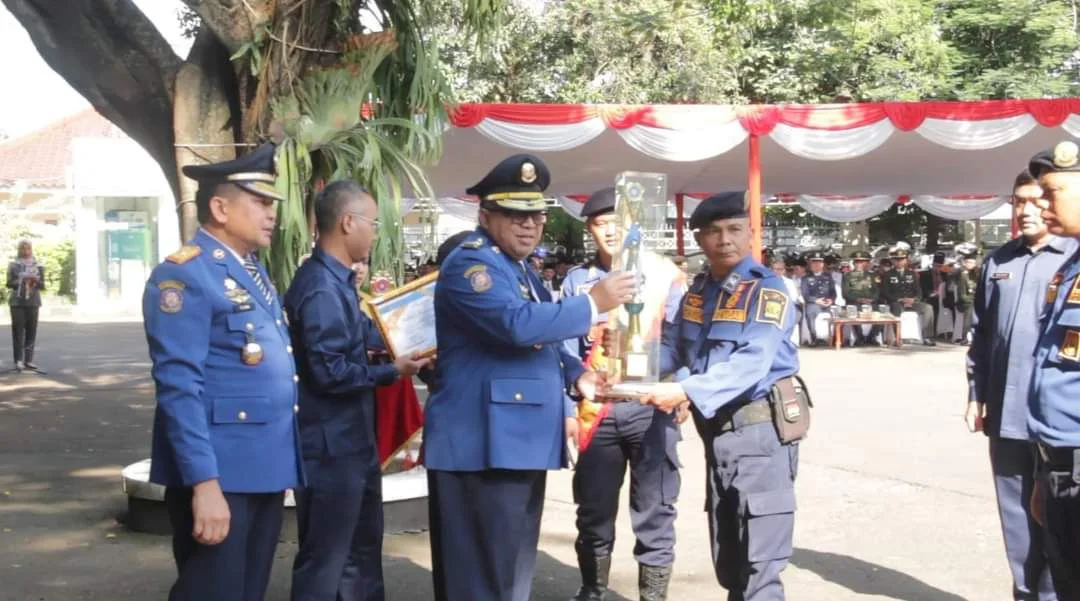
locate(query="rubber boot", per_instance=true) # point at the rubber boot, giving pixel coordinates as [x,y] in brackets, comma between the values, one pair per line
[653,582]
[594,577]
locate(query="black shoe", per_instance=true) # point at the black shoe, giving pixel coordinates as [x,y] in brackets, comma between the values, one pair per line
[653,582]
[594,577]
[30,366]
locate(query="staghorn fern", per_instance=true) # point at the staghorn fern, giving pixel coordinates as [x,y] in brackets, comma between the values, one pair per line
[376,116]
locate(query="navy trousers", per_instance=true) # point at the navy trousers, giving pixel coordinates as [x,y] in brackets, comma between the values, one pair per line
[339,519]
[237,569]
[484,530]
[1013,464]
[1060,490]
[750,499]
[646,439]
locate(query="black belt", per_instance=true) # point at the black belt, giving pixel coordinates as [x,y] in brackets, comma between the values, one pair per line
[754,412]
[1057,457]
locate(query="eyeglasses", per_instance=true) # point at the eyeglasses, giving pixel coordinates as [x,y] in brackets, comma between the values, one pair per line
[374,222]
[523,217]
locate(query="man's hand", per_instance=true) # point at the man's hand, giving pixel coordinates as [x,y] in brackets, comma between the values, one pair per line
[682,413]
[573,432]
[974,416]
[408,366]
[613,291]
[907,302]
[210,512]
[666,396]
[827,302]
[588,383]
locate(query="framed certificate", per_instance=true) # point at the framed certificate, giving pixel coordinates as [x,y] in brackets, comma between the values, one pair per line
[406,317]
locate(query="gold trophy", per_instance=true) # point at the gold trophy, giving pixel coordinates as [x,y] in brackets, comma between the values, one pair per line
[640,209]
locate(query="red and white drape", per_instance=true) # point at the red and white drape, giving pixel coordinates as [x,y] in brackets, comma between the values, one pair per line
[829,132]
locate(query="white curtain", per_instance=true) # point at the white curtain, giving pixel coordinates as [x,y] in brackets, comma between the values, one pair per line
[846,210]
[685,145]
[958,208]
[1072,125]
[830,144]
[542,138]
[976,135]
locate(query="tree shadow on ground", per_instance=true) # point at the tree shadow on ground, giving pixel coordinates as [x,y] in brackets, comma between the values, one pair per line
[867,578]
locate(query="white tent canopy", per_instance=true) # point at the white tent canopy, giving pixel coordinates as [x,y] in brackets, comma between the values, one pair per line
[840,162]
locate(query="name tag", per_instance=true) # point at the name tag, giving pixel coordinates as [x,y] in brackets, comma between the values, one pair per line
[736,315]
[1001,275]
[1070,346]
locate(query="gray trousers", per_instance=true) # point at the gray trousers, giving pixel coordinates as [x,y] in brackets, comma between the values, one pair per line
[751,506]
[1013,464]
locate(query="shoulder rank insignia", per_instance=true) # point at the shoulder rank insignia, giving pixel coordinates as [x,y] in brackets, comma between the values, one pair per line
[731,283]
[771,307]
[186,253]
[474,243]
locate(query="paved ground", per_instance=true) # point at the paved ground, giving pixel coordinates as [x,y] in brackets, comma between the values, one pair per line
[895,500]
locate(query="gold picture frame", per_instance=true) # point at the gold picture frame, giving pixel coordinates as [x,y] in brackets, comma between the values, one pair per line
[405,317]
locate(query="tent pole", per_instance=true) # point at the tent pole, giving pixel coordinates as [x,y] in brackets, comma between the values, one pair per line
[680,247]
[754,188]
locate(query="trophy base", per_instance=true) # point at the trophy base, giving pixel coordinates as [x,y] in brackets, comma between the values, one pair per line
[627,391]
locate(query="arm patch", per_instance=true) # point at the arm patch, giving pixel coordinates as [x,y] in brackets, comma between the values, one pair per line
[771,307]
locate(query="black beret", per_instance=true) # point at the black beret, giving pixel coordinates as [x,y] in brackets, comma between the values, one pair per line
[1063,157]
[515,184]
[860,255]
[255,172]
[601,201]
[449,245]
[725,205]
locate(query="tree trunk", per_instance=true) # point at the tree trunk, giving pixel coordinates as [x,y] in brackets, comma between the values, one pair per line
[204,118]
[112,54]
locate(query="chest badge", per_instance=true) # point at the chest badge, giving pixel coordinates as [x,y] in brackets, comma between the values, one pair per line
[1001,275]
[1070,346]
[692,310]
[1074,292]
[252,353]
[1052,288]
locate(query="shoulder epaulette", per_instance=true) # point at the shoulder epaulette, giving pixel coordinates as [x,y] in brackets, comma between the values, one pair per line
[186,253]
[473,243]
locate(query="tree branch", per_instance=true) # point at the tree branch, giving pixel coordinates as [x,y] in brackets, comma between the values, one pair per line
[234,22]
[112,54]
